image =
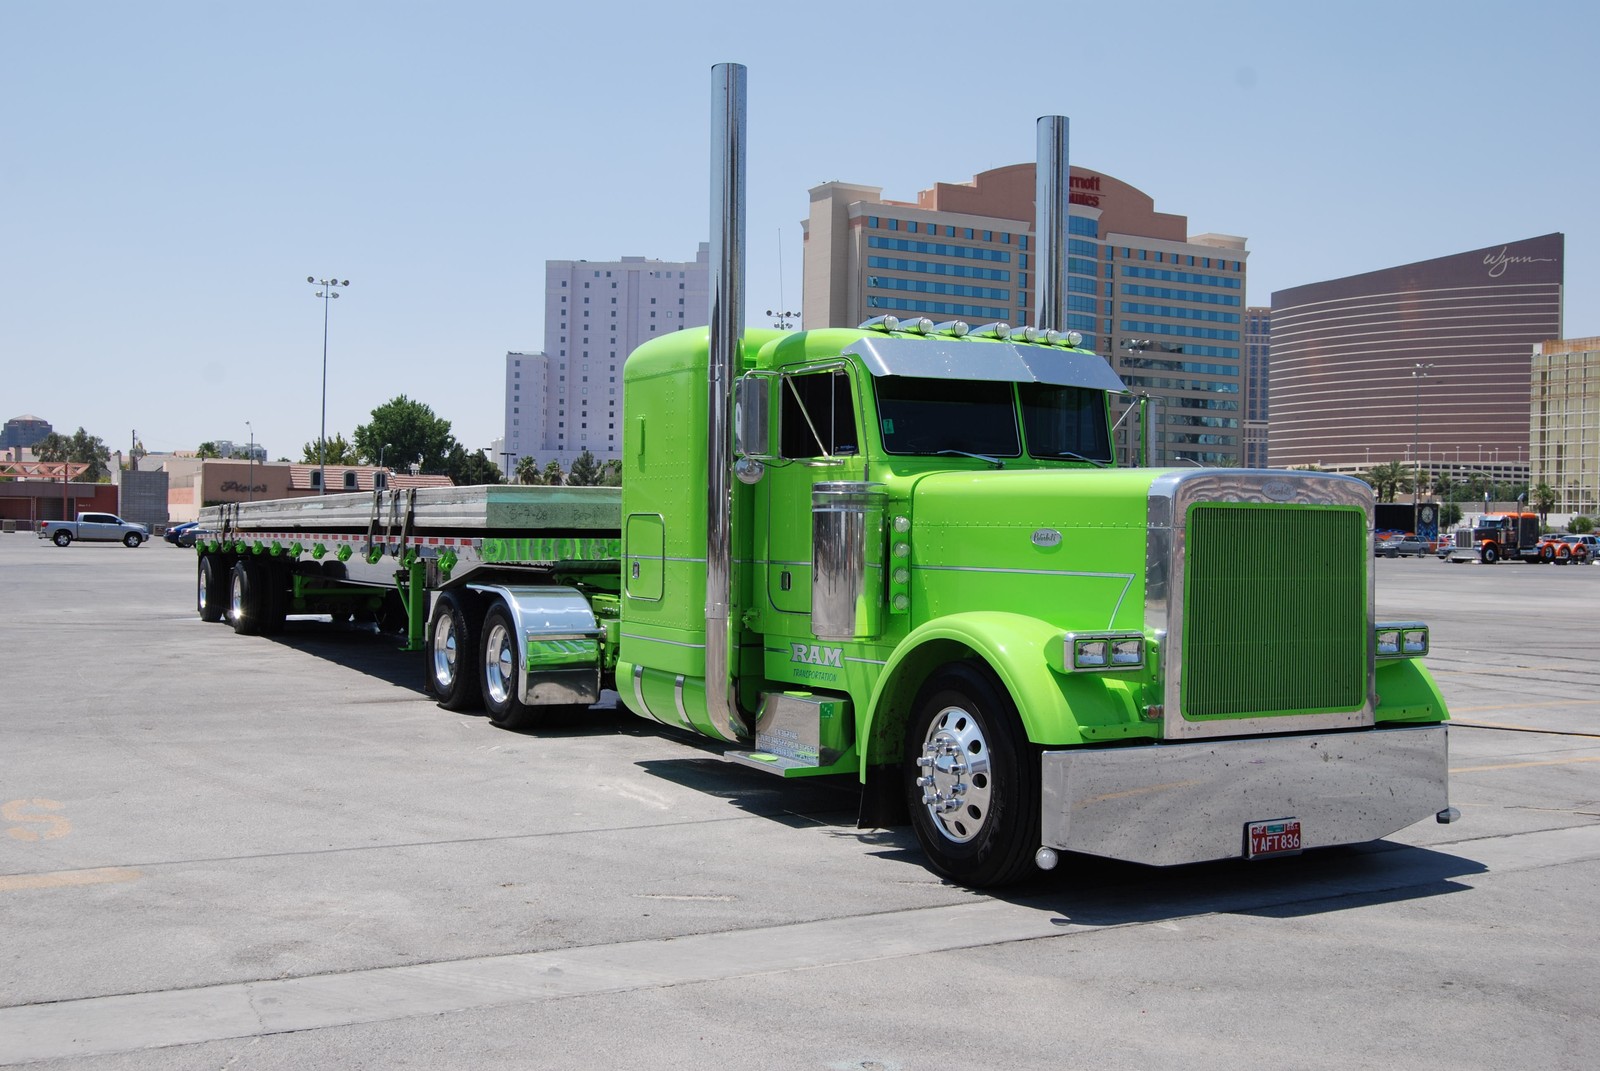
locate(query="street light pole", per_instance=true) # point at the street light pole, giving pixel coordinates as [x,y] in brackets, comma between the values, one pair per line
[1418,374]
[327,294]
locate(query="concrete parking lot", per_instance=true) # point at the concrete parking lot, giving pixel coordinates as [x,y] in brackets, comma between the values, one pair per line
[257,853]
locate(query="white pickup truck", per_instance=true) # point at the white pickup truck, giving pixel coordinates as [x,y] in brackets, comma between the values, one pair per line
[94,528]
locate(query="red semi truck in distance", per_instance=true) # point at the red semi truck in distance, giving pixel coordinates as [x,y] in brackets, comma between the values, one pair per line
[1496,537]
[904,552]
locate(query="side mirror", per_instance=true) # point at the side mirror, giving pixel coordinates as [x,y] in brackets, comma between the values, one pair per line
[751,412]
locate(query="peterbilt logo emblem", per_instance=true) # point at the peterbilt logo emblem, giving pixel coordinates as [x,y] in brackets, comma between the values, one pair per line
[1046,537]
[1278,490]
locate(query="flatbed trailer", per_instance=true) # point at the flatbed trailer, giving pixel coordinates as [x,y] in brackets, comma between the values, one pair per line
[904,552]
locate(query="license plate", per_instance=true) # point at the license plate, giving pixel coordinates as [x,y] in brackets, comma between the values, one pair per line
[1279,836]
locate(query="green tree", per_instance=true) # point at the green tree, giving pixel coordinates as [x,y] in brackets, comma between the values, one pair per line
[339,453]
[405,431]
[552,474]
[585,471]
[79,447]
[1580,525]
[1449,515]
[528,471]
[612,477]
[470,468]
[208,449]
[1543,497]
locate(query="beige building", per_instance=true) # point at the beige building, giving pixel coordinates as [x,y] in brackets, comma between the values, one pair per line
[194,482]
[1164,307]
[1564,422]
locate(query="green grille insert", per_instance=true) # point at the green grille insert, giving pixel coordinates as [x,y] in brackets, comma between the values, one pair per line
[1275,611]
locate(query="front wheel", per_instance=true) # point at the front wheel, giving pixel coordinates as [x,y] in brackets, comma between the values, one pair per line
[62,538]
[972,778]
[1490,554]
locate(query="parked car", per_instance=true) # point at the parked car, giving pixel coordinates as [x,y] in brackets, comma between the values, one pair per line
[94,528]
[1403,545]
[175,533]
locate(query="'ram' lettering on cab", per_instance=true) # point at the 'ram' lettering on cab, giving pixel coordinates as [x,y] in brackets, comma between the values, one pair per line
[813,655]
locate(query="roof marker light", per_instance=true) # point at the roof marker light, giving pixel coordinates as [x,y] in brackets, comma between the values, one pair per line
[994,330]
[917,325]
[953,328]
[881,323]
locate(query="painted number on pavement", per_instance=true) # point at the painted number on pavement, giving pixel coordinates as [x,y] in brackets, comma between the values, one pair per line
[27,814]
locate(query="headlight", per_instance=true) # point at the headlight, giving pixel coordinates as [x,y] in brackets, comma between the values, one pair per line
[1086,652]
[1404,639]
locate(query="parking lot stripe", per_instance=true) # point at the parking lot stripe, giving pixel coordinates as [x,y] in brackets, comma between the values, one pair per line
[1524,765]
[63,878]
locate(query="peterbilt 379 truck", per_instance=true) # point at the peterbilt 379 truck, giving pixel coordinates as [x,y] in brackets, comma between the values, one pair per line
[903,552]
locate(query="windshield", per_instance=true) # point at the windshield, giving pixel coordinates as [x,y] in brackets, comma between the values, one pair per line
[1065,422]
[934,416]
[927,416]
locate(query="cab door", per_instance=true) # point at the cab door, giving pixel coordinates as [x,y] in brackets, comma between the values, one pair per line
[819,441]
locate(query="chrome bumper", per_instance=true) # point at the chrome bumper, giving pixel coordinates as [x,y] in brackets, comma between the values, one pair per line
[1188,803]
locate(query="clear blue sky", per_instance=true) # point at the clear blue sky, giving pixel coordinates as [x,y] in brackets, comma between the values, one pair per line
[170,173]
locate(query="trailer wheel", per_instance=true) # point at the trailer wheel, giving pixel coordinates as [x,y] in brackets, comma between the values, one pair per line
[972,778]
[211,588]
[62,538]
[451,646]
[245,598]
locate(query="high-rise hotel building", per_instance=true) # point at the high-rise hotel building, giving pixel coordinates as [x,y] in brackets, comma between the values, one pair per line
[1163,306]
[1565,432]
[568,398]
[1427,363]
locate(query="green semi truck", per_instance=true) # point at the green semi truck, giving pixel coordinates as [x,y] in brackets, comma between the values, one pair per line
[905,552]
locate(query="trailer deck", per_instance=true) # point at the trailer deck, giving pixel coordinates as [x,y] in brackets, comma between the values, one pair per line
[490,508]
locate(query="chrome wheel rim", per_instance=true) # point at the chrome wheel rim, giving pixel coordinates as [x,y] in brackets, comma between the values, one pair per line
[499,665]
[236,597]
[444,652]
[955,775]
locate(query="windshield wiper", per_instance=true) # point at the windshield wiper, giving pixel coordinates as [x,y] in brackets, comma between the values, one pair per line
[996,462]
[1069,455]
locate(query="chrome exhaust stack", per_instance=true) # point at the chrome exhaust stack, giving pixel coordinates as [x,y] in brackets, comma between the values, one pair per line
[728,127]
[1051,198]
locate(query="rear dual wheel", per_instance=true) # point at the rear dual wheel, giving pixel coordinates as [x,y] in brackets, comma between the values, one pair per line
[211,588]
[451,649]
[500,662]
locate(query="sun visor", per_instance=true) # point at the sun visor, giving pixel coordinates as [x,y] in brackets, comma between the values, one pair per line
[1005,362]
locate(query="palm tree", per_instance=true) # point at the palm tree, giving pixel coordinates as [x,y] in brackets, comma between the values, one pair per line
[527,471]
[1544,500]
[1388,479]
